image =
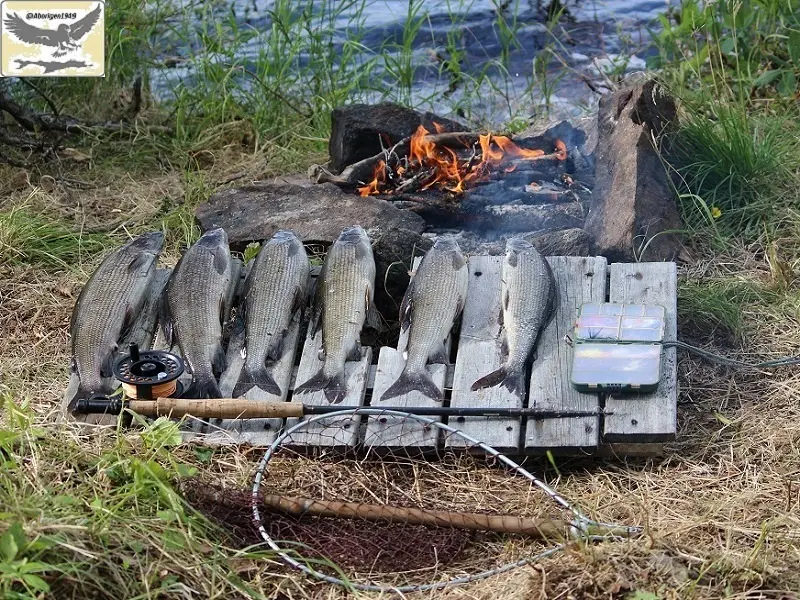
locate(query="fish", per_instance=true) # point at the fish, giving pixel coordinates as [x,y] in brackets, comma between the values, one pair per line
[528,300]
[433,301]
[342,304]
[275,294]
[193,310]
[106,309]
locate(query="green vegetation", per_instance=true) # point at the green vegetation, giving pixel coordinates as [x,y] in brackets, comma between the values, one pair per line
[30,238]
[735,65]
[100,517]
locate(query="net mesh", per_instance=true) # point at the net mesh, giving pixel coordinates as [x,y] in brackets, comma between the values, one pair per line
[396,464]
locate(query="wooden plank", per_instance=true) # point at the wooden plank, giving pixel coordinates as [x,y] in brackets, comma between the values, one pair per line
[479,354]
[578,280]
[334,432]
[396,432]
[142,333]
[647,417]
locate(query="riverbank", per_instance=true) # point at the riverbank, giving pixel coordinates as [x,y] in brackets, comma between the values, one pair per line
[98,516]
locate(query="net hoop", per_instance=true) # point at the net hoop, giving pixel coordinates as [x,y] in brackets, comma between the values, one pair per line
[580,530]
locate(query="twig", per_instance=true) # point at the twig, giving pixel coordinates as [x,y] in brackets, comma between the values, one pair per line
[44,96]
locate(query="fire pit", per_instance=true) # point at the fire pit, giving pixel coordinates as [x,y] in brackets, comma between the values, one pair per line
[484,183]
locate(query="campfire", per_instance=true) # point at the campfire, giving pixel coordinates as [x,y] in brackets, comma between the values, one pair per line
[449,161]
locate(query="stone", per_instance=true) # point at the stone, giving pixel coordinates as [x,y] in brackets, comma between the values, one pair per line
[566,242]
[358,130]
[633,212]
[318,214]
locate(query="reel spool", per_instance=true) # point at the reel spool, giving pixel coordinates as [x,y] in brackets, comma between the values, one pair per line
[149,374]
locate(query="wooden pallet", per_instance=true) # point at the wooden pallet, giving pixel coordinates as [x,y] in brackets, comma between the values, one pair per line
[638,426]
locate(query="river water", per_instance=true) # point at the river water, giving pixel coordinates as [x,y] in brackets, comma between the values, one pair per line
[594,41]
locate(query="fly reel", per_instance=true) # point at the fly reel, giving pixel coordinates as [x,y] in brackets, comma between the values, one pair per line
[149,374]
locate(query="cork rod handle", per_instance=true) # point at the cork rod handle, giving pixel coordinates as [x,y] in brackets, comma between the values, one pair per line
[216,408]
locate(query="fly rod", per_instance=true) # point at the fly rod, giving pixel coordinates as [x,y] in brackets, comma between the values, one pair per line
[240,408]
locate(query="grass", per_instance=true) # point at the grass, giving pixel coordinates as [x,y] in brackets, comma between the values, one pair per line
[98,514]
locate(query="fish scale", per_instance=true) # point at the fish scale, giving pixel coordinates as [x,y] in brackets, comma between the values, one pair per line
[527,302]
[276,291]
[108,302]
[194,296]
[343,298]
[433,301]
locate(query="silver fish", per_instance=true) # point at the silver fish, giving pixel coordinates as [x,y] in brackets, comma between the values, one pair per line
[529,298]
[343,301]
[434,299]
[193,310]
[276,291]
[107,308]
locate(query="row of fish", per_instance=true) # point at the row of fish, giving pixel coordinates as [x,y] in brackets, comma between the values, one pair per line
[275,294]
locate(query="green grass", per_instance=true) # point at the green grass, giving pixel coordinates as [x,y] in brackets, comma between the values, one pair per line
[104,521]
[717,305]
[31,238]
[741,164]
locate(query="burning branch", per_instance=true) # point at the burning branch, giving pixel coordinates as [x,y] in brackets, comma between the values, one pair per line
[445,160]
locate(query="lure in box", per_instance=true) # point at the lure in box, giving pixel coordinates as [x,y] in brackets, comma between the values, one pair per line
[617,347]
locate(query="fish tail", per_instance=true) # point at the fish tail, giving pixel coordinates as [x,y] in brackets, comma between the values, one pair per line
[203,387]
[81,394]
[334,386]
[259,378]
[512,379]
[413,380]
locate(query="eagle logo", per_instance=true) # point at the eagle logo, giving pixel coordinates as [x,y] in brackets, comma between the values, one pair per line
[64,38]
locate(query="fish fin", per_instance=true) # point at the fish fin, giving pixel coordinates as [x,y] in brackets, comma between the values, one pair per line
[439,355]
[222,260]
[260,378]
[354,354]
[409,381]
[459,307]
[138,262]
[203,388]
[374,318]
[335,387]
[298,302]
[504,346]
[80,394]
[512,379]
[166,322]
[219,362]
[406,306]
[107,368]
[276,350]
[553,301]
[127,323]
[318,303]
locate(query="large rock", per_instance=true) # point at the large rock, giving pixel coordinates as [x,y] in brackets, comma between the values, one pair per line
[358,130]
[318,213]
[634,203]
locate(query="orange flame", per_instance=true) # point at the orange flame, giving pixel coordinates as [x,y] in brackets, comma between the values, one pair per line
[440,166]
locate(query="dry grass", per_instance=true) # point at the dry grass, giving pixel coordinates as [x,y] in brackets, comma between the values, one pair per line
[721,508]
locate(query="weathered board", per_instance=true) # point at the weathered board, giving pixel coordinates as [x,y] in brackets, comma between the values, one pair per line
[142,333]
[479,354]
[638,426]
[648,418]
[390,432]
[578,280]
[336,432]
